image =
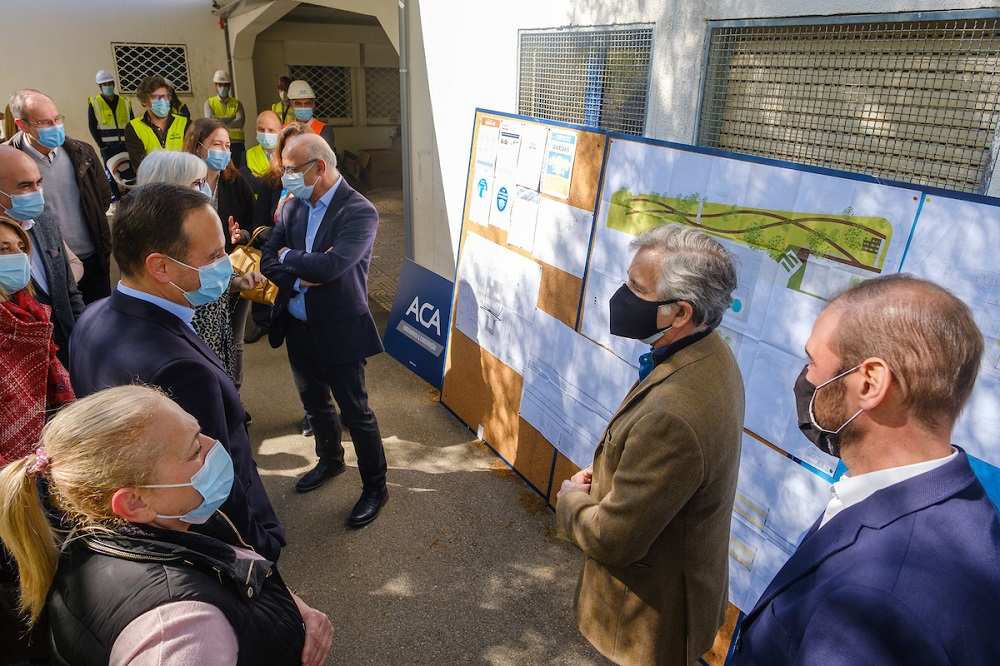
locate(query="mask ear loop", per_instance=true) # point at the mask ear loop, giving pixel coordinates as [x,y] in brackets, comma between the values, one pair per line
[653,339]
[812,401]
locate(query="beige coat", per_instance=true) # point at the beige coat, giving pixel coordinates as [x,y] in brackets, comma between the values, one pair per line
[655,526]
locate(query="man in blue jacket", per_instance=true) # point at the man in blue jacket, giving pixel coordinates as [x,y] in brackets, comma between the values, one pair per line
[903,567]
[318,254]
[169,246]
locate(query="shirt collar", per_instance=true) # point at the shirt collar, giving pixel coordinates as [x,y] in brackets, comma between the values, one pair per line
[37,154]
[853,489]
[324,201]
[182,312]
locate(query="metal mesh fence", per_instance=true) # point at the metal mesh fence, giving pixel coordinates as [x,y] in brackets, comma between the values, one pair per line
[911,101]
[134,62]
[597,77]
[332,86]
[382,94]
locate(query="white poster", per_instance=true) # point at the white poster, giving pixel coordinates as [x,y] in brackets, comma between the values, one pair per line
[532,153]
[481,197]
[523,219]
[503,199]
[557,170]
[562,235]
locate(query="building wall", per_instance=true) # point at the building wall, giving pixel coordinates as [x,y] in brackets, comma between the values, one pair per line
[323,44]
[57,46]
[464,54]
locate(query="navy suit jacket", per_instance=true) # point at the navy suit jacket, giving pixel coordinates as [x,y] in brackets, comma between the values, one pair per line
[341,254]
[910,575]
[124,340]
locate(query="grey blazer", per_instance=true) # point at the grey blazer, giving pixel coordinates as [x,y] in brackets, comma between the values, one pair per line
[64,297]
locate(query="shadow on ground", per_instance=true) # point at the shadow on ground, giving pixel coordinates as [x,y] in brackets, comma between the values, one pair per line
[461,567]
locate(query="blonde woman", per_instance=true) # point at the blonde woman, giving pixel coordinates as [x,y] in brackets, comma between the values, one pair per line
[133,583]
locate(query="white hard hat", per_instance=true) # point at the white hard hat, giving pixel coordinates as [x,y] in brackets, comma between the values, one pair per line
[104,76]
[119,165]
[221,76]
[299,89]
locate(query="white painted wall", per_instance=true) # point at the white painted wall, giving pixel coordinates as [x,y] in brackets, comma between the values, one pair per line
[58,45]
[352,46]
[463,54]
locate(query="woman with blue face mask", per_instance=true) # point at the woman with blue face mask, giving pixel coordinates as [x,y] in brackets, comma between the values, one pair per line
[32,383]
[151,565]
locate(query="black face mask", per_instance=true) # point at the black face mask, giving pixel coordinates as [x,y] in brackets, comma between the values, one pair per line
[827,441]
[634,317]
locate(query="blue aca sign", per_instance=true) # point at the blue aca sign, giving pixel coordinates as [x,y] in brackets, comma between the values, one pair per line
[417,332]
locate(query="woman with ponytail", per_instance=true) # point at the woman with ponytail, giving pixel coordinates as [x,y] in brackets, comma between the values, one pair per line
[133,582]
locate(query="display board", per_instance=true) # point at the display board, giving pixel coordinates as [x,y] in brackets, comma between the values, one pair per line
[527,227]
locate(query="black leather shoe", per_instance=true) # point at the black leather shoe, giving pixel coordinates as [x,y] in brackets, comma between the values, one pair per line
[368,507]
[254,334]
[307,429]
[318,475]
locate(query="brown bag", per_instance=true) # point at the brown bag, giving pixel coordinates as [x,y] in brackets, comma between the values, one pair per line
[246,259]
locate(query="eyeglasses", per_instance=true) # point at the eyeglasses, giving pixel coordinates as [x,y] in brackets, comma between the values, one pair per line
[58,120]
[301,168]
[198,184]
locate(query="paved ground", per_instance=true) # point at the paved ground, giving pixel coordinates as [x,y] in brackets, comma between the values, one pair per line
[461,567]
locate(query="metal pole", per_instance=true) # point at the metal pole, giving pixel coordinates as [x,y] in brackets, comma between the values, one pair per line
[404,113]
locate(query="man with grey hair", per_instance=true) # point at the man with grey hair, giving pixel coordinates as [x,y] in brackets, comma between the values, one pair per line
[318,254]
[77,193]
[652,514]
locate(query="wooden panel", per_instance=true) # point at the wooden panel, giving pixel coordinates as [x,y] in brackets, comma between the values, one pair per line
[586,170]
[717,655]
[563,470]
[534,456]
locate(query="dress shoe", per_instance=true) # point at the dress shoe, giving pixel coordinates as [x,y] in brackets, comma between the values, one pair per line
[254,333]
[368,507]
[318,475]
[307,429]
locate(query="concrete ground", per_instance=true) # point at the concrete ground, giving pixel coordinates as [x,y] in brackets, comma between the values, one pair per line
[462,566]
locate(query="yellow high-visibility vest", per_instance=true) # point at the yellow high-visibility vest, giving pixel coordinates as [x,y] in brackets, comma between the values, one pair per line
[175,135]
[111,122]
[257,161]
[224,109]
[284,115]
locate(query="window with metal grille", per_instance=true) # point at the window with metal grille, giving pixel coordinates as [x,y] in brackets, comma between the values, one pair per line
[382,95]
[332,86]
[590,76]
[911,101]
[134,62]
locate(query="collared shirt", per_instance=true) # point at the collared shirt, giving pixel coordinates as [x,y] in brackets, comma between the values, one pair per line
[36,154]
[658,355]
[854,489]
[182,312]
[297,304]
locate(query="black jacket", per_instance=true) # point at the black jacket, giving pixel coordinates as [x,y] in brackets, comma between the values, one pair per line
[235,198]
[106,580]
[339,261]
[123,340]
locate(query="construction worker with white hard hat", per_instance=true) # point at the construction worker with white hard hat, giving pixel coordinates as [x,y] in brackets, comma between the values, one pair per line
[229,110]
[303,103]
[108,113]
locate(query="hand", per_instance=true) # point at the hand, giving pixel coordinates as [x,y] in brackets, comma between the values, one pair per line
[236,235]
[319,634]
[584,477]
[571,486]
[247,281]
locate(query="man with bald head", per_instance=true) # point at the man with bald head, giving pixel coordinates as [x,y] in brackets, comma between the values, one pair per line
[904,564]
[77,193]
[318,255]
[23,199]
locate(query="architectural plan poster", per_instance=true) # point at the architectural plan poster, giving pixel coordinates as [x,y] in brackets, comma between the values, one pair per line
[799,237]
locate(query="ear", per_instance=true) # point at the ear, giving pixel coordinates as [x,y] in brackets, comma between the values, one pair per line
[129,505]
[677,315]
[22,125]
[876,380]
[156,266]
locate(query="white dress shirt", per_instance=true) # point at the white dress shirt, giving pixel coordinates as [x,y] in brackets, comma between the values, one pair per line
[853,489]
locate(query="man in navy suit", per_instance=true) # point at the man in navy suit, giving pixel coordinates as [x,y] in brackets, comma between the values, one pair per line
[903,567]
[168,242]
[318,254]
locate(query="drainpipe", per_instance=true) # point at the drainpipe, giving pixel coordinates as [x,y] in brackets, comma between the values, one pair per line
[404,113]
[224,24]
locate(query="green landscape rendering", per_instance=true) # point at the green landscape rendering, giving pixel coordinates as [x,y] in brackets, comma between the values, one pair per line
[853,240]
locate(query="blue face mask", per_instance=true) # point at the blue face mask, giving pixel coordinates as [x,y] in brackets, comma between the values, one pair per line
[218,159]
[267,140]
[52,137]
[213,482]
[27,206]
[224,92]
[160,107]
[295,183]
[15,272]
[107,91]
[214,279]
[303,114]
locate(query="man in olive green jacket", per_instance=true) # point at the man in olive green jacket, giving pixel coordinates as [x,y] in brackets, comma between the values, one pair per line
[652,515]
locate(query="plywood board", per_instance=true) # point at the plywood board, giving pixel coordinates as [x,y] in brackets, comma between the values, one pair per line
[563,470]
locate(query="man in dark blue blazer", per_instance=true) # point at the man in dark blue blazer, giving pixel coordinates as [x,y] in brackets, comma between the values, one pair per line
[318,254]
[166,239]
[904,565]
